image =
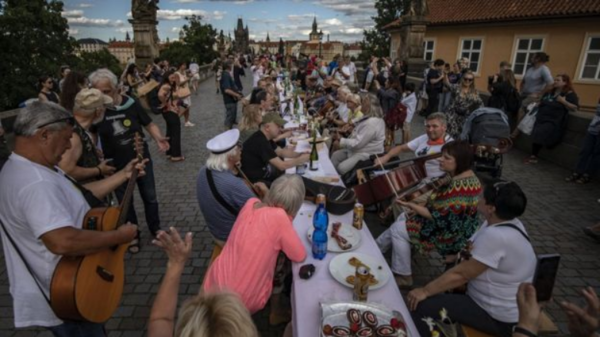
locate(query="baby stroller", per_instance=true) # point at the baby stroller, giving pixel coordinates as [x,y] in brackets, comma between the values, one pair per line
[487,129]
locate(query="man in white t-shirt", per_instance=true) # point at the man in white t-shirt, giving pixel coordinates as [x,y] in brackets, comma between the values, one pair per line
[424,145]
[42,213]
[195,72]
[257,72]
[501,259]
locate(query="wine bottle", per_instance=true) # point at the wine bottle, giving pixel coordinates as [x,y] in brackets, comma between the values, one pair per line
[314,154]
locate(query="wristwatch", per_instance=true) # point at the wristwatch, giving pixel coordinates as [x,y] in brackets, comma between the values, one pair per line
[522,331]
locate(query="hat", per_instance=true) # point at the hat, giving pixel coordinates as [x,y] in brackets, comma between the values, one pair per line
[273,117]
[223,142]
[91,99]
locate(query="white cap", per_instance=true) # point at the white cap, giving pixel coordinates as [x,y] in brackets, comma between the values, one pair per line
[223,142]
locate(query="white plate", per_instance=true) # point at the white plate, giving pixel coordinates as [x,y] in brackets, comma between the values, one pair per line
[340,268]
[347,231]
[335,314]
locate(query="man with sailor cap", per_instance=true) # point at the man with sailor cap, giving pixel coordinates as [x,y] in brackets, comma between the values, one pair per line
[221,194]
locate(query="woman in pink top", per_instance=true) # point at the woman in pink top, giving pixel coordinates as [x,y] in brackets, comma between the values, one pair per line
[247,263]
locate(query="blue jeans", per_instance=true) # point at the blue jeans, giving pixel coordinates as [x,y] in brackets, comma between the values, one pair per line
[589,157]
[147,190]
[230,114]
[78,329]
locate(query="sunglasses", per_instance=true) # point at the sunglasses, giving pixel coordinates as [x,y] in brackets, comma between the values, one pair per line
[68,120]
[468,79]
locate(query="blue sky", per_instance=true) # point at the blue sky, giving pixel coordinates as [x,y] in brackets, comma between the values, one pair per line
[344,20]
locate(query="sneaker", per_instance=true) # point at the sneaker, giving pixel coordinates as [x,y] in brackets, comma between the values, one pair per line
[189,124]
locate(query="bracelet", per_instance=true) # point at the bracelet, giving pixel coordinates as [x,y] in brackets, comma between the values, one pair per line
[522,331]
[99,171]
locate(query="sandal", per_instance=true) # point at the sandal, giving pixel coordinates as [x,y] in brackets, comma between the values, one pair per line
[584,179]
[573,177]
[134,246]
[177,159]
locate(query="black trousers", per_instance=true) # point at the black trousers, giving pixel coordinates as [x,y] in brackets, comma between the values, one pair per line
[173,122]
[461,309]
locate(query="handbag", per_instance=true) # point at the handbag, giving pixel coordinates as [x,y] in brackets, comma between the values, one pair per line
[528,121]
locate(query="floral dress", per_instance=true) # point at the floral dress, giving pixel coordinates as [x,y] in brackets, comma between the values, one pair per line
[461,106]
[455,220]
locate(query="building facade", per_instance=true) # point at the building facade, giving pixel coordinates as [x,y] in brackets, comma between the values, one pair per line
[488,32]
[122,50]
[90,45]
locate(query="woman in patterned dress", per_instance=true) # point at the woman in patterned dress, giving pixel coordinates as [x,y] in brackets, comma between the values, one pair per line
[444,223]
[464,100]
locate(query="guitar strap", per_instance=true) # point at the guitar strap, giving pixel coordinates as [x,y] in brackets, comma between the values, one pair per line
[37,282]
[515,227]
[218,197]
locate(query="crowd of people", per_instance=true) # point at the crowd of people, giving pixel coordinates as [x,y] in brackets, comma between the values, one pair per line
[76,150]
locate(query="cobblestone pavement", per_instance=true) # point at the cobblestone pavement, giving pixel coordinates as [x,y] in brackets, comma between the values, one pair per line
[555,215]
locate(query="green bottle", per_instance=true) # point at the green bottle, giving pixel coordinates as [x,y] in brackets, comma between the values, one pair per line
[314,154]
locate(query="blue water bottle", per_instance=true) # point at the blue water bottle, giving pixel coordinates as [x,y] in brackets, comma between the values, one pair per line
[320,223]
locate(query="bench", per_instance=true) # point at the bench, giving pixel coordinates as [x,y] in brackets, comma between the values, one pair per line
[547,327]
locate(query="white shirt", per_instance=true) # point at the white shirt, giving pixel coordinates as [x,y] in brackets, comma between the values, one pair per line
[34,200]
[410,102]
[257,73]
[342,111]
[353,71]
[420,147]
[368,137]
[194,68]
[511,261]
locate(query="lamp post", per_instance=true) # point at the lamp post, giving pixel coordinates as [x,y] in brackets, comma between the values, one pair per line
[320,44]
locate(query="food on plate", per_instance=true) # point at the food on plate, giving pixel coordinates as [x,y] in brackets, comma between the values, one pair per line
[354,316]
[370,319]
[340,331]
[327,330]
[341,241]
[386,331]
[372,281]
[365,332]
[397,324]
[355,262]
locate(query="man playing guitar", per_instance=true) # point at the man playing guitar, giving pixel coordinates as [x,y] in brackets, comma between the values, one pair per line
[42,211]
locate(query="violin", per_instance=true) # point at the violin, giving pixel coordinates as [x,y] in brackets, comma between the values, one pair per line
[254,189]
[326,108]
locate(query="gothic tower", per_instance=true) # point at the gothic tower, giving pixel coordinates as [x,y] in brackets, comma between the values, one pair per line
[242,37]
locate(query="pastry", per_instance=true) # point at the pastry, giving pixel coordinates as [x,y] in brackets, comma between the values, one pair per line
[365,332]
[370,319]
[354,316]
[372,281]
[340,331]
[386,331]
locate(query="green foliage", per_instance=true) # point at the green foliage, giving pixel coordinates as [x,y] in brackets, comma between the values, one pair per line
[377,41]
[89,62]
[35,42]
[196,42]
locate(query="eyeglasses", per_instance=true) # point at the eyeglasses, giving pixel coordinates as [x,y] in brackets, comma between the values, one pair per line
[68,120]
[240,146]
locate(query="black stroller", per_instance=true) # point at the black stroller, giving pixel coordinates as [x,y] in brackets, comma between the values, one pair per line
[487,129]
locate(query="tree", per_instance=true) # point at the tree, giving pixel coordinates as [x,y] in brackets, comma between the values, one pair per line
[200,38]
[89,62]
[35,41]
[377,41]
[177,52]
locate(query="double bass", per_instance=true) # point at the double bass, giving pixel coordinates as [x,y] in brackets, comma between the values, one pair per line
[89,288]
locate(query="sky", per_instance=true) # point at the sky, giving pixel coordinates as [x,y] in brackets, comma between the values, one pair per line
[344,20]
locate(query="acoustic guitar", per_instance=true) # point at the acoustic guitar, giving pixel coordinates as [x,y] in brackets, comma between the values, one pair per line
[89,288]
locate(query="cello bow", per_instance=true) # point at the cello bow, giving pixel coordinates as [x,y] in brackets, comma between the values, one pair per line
[256,191]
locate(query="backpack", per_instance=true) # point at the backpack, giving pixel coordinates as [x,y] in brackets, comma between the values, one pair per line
[395,118]
[512,100]
[488,129]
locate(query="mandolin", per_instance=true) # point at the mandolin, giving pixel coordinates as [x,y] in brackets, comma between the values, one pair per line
[89,288]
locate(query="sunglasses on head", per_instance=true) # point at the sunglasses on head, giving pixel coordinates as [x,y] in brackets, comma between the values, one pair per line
[68,120]
[498,186]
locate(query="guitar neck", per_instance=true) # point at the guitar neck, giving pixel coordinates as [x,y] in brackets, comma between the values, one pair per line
[126,202]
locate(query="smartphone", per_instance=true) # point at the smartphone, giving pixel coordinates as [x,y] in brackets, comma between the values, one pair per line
[545,276]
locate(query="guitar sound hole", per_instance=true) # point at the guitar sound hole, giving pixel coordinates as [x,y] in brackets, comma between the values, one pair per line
[104,274]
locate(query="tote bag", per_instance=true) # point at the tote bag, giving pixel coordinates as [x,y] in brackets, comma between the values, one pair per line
[526,124]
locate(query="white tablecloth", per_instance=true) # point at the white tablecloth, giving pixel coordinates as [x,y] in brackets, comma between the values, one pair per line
[308,294]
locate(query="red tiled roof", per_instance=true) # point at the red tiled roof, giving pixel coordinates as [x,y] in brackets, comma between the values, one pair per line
[442,12]
[120,44]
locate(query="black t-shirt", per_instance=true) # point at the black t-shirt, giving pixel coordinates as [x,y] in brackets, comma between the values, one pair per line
[257,153]
[117,131]
[434,74]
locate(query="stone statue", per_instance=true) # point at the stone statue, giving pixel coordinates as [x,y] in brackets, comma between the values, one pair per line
[418,8]
[144,9]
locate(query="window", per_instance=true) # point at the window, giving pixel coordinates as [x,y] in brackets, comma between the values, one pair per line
[471,49]
[526,47]
[428,46]
[591,64]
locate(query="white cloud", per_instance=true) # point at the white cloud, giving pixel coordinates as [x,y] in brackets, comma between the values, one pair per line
[73,31]
[300,17]
[179,14]
[218,15]
[124,30]
[85,5]
[333,22]
[175,29]
[76,13]
[348,7]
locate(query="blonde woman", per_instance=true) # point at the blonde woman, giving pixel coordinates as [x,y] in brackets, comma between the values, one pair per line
[251,119]
[465,99]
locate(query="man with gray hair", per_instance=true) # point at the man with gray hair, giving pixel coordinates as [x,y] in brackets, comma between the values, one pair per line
[41,216]
[117,132]
[429,143]
[221,194]
[82,161]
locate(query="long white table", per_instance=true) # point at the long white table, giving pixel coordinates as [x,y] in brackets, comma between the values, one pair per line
[322,287]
